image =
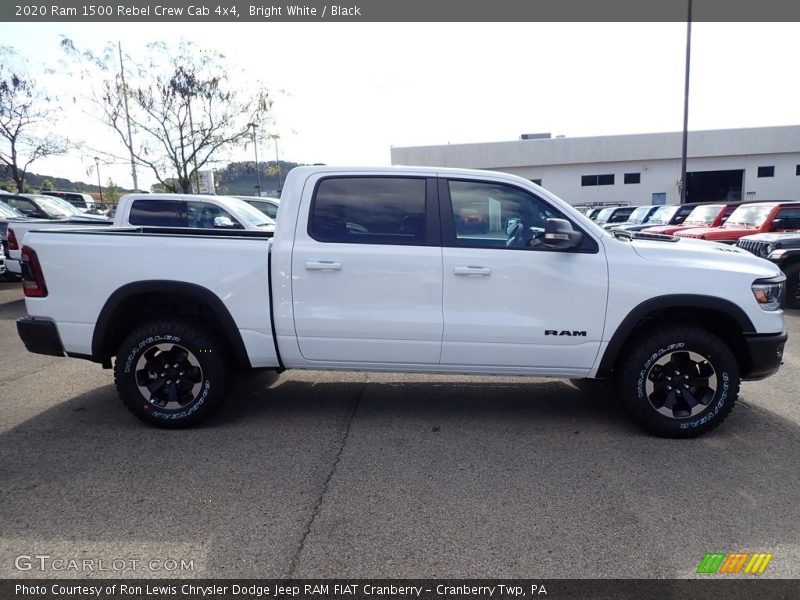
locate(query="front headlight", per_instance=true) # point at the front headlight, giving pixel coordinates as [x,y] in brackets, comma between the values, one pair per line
[779,254]
[765,250]
[769,292]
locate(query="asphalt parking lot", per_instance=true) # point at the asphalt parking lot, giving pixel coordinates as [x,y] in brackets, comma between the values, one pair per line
[350,475]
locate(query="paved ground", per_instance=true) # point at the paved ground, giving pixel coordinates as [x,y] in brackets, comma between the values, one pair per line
[353,475]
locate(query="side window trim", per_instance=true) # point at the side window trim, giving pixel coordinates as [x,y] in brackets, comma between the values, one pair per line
[433,234]
[446,217]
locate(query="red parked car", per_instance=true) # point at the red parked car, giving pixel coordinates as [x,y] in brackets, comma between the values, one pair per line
[747,219]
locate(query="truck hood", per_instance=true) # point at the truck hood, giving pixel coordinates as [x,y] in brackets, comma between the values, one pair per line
[668,229]
[716,256]
[716,232]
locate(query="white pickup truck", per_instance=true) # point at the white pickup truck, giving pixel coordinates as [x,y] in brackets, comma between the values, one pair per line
[413,270]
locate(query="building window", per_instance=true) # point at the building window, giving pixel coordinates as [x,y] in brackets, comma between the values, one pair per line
[633,177]
[537,181]
[797,170]
[766,171]
[587,180]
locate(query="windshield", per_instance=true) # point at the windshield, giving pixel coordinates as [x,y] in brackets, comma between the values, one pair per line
[7,211]
[55,207]
[663,215]
[748,216]
[703,215]
[605,214]
[639,215]
[249,214]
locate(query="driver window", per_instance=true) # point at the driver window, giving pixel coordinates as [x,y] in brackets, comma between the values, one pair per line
[202,215]
[498,216]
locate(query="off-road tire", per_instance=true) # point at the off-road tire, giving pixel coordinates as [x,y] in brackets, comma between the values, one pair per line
[648,362]
[198,373]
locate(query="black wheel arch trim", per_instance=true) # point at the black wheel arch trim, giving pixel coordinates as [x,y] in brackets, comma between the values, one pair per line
[100,351]
[659,303]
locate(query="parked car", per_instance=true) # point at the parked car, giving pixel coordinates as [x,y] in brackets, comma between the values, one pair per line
[614,214]
[79,200]
[39,206]
[195,211]
[269,206]
[42,211]
[750,218]
[636,220]
[702,214]
[676,323]
[782,249]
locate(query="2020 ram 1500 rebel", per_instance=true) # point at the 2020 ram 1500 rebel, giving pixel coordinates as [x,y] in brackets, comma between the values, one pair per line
[416,270]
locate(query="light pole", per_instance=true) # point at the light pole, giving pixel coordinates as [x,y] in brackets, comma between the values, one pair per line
[255,148]
[99,186]
[276,137]
[684,183]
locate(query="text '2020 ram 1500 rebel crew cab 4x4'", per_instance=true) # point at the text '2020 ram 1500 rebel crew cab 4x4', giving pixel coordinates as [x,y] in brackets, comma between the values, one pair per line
[414,270]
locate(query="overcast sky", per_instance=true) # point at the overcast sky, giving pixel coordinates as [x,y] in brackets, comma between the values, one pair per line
[353,90]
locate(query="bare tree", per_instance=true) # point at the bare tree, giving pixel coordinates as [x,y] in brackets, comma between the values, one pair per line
[184,110]
[24,108]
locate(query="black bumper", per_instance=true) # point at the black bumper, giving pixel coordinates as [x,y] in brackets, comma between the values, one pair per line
[39,336]
[766,354]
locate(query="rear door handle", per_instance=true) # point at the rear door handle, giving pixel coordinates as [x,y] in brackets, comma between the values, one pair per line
[472,270]
[323,265]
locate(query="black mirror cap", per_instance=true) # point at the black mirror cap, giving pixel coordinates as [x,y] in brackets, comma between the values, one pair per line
[559,235]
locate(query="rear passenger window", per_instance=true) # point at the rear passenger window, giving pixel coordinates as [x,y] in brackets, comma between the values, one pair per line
[157,213]
[369,210]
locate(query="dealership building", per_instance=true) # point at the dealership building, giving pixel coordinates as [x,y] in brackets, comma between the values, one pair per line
[726,164]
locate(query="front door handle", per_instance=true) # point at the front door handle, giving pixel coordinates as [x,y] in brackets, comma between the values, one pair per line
[472,270]
[323,265]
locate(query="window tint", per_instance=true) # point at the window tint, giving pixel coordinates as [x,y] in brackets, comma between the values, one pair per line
[495,215]
[157,213]
[202,215]
[369,210]
[788,213]
[766,171]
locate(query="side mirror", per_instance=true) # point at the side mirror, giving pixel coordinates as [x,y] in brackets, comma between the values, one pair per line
[559,235]
[779,224]
[679,220]
[223,222]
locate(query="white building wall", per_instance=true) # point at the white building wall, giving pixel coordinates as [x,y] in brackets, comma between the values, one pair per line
[560,162]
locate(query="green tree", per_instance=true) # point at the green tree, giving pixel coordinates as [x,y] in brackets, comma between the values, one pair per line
[46,185]
[24,110]
[183,107]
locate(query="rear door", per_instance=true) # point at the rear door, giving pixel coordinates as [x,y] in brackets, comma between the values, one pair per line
[509,301]
[367,271]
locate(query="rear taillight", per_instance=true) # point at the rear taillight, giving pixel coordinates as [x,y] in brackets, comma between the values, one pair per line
[32,277]
[13,244]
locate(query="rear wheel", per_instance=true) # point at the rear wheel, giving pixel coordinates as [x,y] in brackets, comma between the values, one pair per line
[678,382]
[171,373]
[793,286]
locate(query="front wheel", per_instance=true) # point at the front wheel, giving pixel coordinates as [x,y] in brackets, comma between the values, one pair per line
[171,373]
[678,382]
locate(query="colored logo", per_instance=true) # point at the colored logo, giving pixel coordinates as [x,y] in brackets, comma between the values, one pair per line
[734,562]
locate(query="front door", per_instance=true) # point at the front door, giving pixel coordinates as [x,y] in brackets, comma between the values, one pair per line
[508,300]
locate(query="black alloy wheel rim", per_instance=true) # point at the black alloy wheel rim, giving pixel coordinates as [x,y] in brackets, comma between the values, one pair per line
[681,384]
[168,376]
